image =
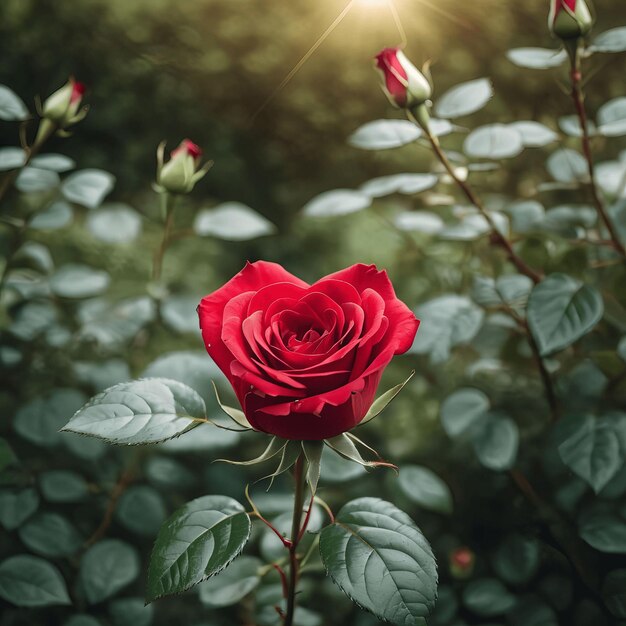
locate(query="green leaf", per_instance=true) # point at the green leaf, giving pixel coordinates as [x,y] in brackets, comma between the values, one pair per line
[107,567]
[380,559]
[57,215]
[12,108]
[534,134]
[536,58]
[463,410]
[494,141]
[39,420]
[11,158]
[114,223]
[232,585]
[614,592]
[408,184]
[603,531]
[130,612]
[88,187]
[487,597]
[612,118]
[561,310]
[32,582]
[51,535]
[592,451]
[54,162]
[422,486]
[141,510]
[516,560]
[7,456]
[447,321]
[196,542]
[232,221]
[567,166]
[17,507]
[419,221]
[35,180]
[62,486]
[79,281]
[142,411]
[613,40]
[464,99]
[384,134]
[383,401]
[337,202]
[496,441]
[82,619]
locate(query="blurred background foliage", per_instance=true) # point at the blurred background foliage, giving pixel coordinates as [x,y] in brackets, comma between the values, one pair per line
[160,69]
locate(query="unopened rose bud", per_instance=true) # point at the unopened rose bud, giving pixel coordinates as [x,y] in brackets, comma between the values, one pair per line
[405,86]
[462,562]
[569,19]
[183,170]
[63,106]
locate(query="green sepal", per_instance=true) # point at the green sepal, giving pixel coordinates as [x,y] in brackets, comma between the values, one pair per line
[236,415]
[380,404]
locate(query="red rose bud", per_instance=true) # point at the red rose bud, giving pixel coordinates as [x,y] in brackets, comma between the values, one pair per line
[305,360]
[402,82]
[462,562]
[63,106]
[182,171]
[569,19]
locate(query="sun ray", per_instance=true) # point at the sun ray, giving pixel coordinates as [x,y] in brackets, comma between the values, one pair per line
[396,19]
[303,60]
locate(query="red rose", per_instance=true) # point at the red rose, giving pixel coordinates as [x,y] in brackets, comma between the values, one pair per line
[569,19]
[305,360]
[403,83]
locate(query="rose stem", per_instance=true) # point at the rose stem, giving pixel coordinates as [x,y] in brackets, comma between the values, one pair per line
[496,236]
[5,184]
[299,478]
[157,266]
[31,152]
[579,103]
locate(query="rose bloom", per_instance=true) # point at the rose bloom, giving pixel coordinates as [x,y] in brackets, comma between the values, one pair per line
[402,82]
[305,360]
[569,19]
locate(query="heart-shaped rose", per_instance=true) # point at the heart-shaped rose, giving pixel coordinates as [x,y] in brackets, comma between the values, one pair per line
[305,360]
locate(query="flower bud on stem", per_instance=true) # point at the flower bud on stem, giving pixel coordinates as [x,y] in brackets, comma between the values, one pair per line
[578,97]
[418,116]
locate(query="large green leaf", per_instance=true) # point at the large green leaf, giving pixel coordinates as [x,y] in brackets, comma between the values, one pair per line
[561,310]
[232,221]
[141,510]
[32,582]
[107,567]
[141,411]
[88,187]
[592,451]
[378,556]
[196,542]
